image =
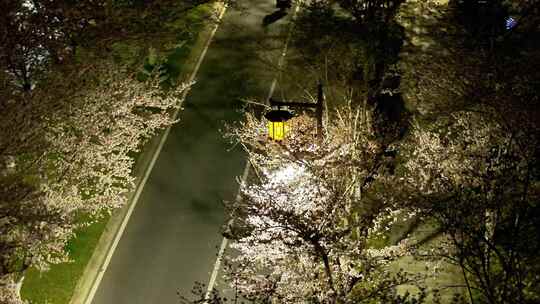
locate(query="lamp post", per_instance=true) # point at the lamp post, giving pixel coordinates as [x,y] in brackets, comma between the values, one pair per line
[279,115]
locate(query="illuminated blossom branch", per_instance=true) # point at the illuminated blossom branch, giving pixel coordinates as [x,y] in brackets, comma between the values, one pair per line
[302,228]
[69,150]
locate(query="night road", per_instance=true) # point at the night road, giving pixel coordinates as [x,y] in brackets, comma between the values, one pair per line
[172,237]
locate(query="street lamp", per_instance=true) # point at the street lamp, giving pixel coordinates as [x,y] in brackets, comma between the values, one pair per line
[277,122]
[279,115]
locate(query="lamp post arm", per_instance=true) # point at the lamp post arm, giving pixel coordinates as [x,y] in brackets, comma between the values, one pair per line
[294,104]
[317,106]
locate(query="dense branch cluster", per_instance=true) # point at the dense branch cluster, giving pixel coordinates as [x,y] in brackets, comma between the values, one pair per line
[478,178]
[68,149]
[302,229]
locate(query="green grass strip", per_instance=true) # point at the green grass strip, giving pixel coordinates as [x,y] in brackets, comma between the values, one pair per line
[57,285]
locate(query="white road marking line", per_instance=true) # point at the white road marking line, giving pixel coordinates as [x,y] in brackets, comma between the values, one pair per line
[140,187]
[224,242]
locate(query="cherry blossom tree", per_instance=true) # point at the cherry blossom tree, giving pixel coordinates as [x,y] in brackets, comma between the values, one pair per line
[472,163]
[68,148]
[303,225]
[479,179]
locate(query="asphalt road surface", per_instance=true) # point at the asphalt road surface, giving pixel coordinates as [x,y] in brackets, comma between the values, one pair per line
[172,237]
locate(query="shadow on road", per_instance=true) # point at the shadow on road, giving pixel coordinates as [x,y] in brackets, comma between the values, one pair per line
[273,17]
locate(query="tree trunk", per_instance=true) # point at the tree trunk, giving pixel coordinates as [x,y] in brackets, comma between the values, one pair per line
[320,250]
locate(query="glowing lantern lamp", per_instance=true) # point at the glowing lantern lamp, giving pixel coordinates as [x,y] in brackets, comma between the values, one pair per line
[277,123]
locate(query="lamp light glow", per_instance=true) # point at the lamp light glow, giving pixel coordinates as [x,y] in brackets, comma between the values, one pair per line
[277,123]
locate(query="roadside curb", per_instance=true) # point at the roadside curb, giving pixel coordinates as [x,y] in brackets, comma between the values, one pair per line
[97,265]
